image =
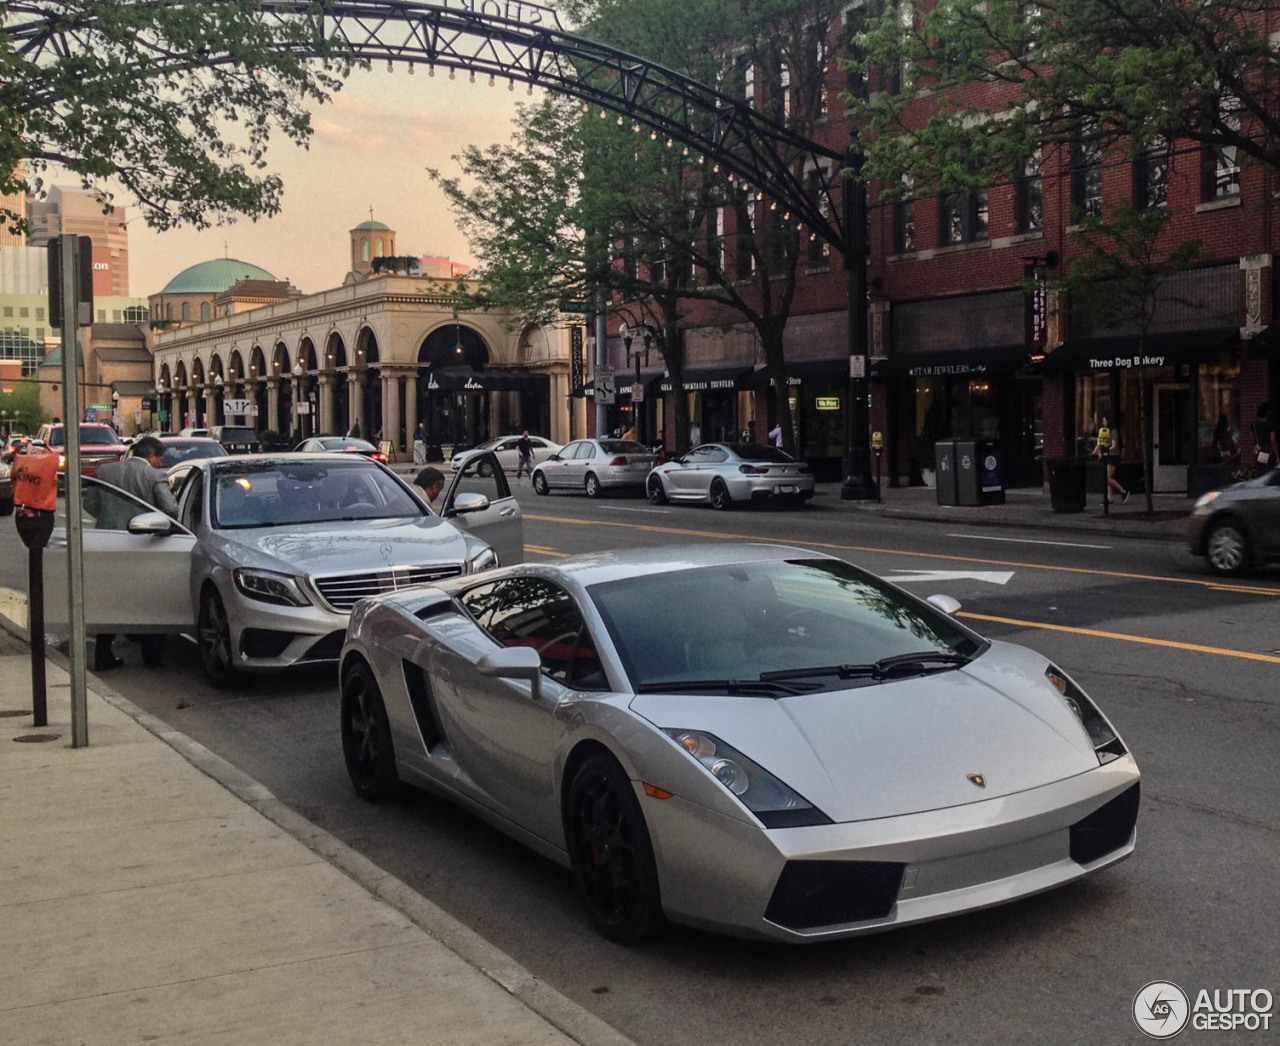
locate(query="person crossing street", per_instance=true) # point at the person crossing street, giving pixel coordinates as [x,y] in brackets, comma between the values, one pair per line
[525,449]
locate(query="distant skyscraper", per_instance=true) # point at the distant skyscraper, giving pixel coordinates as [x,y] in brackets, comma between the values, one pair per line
[77,212]
[15,203]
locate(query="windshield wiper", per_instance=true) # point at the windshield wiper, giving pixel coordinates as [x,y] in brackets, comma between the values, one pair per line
[886,666]
[762,687]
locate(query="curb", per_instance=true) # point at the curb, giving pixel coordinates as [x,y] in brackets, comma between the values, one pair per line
[551,1005]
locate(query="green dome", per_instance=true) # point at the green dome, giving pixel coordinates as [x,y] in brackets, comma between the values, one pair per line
[214,277]
[372,227]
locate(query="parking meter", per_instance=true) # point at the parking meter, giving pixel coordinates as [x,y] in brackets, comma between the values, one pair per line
[35,495]
[877,445]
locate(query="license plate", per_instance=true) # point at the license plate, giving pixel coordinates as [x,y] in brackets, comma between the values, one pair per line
[787,489]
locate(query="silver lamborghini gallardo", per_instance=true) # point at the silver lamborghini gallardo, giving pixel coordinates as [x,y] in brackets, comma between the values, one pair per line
[749,738]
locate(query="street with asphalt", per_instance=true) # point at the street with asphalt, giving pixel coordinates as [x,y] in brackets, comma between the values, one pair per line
[1187,665]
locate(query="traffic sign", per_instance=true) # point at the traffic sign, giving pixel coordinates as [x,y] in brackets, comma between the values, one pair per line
[606,390]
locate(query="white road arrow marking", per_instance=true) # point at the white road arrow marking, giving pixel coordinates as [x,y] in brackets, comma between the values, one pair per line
[993,577]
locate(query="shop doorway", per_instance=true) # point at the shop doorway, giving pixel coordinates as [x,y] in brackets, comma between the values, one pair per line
[1174,443]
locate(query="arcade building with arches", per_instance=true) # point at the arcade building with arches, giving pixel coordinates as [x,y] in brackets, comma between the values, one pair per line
[382,354]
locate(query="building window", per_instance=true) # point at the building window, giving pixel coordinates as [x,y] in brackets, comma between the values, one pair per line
[1030,197]
[900,75]
[8,310]
[745,259]
[24,312]
[102,315]
[364,250]
[1220,174]
[1086,178]
[819,250]
[204,310]
[186,312]
[816,47]
[39,333]
[377,247]
[1151,177]
[39,314]
[747,78]
[717,246]
[135,314]
[904,219]
[168,311]
[784,91]
[962,217]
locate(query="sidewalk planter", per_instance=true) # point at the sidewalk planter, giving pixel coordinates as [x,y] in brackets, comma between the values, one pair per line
[1067,480]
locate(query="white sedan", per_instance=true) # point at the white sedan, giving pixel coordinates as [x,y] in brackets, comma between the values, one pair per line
[505,448]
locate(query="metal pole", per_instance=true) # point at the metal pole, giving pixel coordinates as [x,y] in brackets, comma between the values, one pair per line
[75,531]
[858,484]
[636,404]
[35,632]
[601,360]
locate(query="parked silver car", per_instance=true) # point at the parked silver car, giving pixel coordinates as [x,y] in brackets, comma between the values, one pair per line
[507,449]
[1238,527]
[595,466]
[725,474]
[749,738]
[270,552]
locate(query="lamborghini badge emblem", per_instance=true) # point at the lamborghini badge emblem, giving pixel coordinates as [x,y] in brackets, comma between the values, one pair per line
[977,779]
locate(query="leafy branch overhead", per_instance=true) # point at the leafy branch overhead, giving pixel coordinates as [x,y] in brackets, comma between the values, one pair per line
[176,102]
[1011,77]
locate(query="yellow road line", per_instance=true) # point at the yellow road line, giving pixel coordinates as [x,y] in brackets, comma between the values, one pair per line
[1124,637]
[543,550]
[1215,586]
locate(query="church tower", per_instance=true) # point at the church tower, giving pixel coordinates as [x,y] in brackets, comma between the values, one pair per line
[370,240]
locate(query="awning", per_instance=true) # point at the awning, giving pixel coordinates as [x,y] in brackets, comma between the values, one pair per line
[798,370]
[1162,350]
[710,379]
[481,381]
[946,362]
[1266,343]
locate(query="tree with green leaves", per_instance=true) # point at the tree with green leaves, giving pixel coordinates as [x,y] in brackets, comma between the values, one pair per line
[20,406]
[1129,75]
[1121,281]
[175,102]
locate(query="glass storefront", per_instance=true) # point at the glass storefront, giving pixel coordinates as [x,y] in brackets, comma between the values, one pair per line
[1219,423]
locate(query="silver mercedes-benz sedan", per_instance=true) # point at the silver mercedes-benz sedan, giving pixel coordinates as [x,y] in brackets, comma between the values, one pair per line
[727,474]
[595,466]
[750,738]
[270,551]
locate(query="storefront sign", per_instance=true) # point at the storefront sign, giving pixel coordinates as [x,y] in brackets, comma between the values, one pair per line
[702,386]
[233,406]
[575,359]
[1125,362]
[942,369]
[826,402]
[1038,313]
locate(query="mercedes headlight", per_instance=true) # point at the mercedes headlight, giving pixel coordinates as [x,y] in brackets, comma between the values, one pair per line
[271,587]
[1205,500]
[485,559]
[774,803]
[1105,742]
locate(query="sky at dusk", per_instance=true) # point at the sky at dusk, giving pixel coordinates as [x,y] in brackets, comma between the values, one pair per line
[371,147]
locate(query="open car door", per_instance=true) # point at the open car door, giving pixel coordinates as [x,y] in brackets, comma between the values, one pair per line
[500,523]
[136,579]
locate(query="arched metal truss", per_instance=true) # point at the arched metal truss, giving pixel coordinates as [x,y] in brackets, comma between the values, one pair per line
[517,41]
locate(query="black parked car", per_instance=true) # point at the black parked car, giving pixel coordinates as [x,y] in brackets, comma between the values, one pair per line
[237,439]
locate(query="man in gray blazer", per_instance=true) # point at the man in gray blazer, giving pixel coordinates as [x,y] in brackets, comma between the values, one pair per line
[142,475]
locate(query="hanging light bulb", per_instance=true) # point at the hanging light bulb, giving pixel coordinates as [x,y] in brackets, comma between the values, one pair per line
[812,236]
[431,70]
[773,206]
[730,177]
[472,78]
[410,68]
[636,128]
[511,85]
[452,74]
[586,108]
[491,80]
[530,90]
[759,197]
[603,114]
[701,160]
[653,136]
[619,121]
[670,143]
[390,68]
[685,151]
[786,217]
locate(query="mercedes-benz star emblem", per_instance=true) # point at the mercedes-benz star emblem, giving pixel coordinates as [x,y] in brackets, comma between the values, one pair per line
[977,779]
[386,551]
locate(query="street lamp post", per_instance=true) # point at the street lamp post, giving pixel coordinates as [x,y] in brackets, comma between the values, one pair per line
[115,410]
[297,399]
[218,419]
[858,484]
[627,334]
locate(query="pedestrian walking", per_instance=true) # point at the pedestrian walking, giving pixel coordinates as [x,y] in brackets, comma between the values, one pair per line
[1265,439]
[524,447]
[1109,449]
[142,475]
[420,444]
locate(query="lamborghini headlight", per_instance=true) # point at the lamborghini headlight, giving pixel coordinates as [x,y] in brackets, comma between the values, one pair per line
[774,803]
[485,559]
[1105,742]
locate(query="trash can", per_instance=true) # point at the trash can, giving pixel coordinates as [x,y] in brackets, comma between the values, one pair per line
[1067,484]
[967,478]
[944,460]
[990,468]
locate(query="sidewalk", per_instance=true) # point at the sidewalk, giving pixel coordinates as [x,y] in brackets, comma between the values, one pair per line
[154,893]
[1026,507]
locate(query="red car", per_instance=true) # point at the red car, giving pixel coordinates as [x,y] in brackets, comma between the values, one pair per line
[98,445]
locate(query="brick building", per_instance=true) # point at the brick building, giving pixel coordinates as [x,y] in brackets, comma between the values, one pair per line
[954,350]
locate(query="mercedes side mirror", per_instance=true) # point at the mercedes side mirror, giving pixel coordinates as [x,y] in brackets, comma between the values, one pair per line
[514,662]
[156,524]
[465,503]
